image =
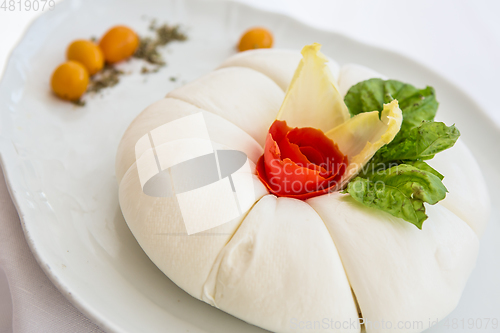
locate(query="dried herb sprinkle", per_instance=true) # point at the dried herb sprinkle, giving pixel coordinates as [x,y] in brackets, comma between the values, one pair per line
[147,50]
[148,46]
[108,77]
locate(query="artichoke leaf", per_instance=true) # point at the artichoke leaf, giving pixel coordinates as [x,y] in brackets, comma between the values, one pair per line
[364,134]
[312,99]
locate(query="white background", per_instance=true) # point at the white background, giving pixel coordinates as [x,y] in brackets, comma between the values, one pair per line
[460,39]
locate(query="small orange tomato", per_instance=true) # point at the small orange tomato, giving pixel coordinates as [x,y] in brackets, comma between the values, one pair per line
[70,80]
[118,44]
[87,53]
[256,38]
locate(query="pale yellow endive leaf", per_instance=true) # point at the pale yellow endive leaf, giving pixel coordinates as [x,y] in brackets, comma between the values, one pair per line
[312,99]
[361,136]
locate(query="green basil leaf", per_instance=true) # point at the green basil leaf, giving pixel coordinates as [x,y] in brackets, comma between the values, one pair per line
[426,167]
[400,191]
[420,143]
[370,95]
[396,179]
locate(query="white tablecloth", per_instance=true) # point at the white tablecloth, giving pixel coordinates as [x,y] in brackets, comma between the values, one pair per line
[458,38]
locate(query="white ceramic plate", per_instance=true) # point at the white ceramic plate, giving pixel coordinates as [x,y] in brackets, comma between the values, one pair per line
[59,159]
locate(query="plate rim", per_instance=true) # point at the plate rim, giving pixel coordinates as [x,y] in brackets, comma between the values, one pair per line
[9,158]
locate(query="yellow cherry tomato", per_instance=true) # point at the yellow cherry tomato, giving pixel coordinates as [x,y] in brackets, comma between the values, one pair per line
[70,80]
[118,44]
[256,38]
[87,53]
